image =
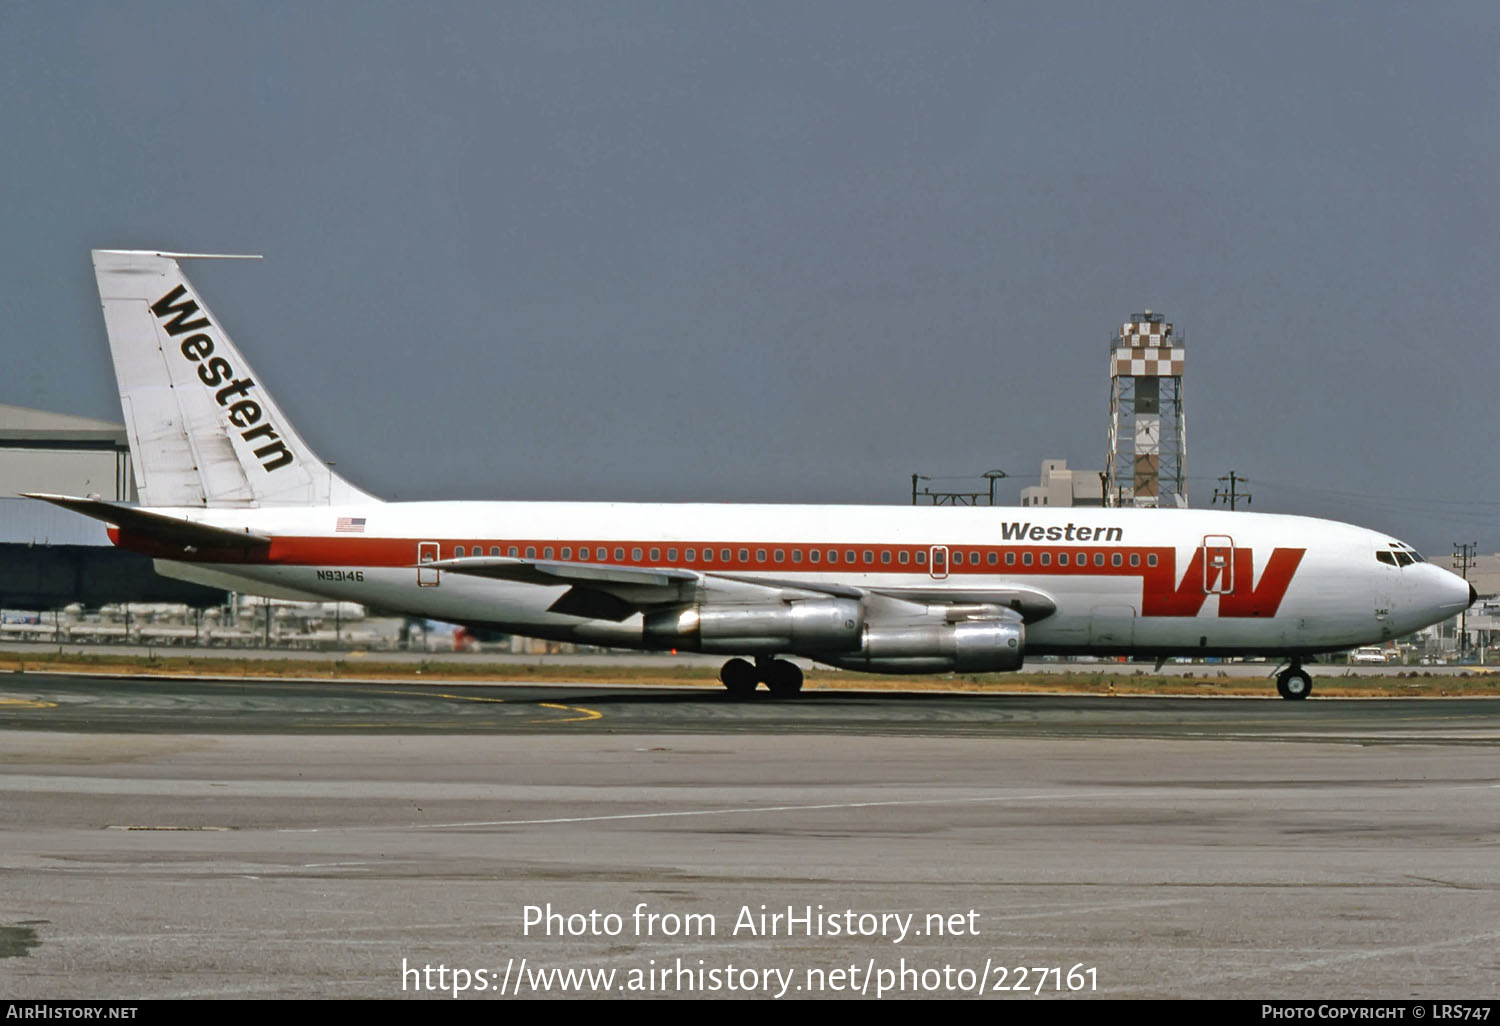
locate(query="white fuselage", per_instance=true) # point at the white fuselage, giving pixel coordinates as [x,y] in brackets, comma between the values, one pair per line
[1121,581]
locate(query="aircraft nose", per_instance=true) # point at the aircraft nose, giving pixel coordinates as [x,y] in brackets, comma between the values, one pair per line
[1446,593]
[1457,595]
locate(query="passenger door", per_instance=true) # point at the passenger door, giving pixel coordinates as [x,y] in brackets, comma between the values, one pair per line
[427,552]
[1218,564]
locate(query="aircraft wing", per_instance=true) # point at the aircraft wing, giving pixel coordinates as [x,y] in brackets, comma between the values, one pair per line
[533,571]
[598,591]
[615,592]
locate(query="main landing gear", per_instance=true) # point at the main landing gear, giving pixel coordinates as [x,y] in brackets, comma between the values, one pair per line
[741,677]
[1294,682]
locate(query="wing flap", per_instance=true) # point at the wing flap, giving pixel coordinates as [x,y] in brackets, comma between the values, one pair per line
[593,604]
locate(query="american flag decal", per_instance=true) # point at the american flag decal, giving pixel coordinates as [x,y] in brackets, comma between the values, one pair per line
[350,525]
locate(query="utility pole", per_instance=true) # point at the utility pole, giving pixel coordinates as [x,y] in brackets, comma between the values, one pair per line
[992,476]
[957,498]
[1463,559]
[1232,495]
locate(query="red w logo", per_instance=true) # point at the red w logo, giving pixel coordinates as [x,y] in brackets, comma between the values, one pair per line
[1164,595]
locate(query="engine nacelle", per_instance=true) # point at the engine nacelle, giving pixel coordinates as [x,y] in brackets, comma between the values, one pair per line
[970,646]
[809,625]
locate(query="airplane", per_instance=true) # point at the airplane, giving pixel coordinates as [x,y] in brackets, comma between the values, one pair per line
[230,496]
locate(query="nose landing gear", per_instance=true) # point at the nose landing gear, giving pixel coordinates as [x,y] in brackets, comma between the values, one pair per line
[783,678]
[1294,682]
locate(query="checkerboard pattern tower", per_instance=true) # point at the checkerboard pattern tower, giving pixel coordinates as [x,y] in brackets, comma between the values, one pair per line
[1147,460]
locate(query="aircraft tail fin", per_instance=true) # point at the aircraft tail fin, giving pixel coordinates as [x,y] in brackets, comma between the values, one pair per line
[203,429]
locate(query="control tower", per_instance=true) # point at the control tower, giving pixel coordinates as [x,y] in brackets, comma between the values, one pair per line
[1147,460]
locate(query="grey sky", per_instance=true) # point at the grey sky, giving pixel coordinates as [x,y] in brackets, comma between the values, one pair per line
[788,252]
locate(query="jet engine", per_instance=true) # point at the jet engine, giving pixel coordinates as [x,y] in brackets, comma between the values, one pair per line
[970,646]
[807,625]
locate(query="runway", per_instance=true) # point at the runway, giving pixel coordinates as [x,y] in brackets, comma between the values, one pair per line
[203,839]
[44,701]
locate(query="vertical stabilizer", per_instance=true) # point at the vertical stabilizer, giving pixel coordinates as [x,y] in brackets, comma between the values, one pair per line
[203,429]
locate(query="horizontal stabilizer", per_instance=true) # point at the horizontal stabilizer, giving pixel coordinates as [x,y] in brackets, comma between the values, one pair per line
[156,526]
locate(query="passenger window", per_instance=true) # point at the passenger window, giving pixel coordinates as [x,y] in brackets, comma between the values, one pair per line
[1135,559]
[656,555]
[780,555]
[921,557]
[690,555]
[619,554]
[531,552]
[796,555]
[512,552]
[869,556]
[760,555]
[1062,559]
[813,555]
[635,554]
[1010,559]
[1115,560]
[1151,559]
[547,552]
[958,558]
[1046,559]
[1098,559]
[1026,559]
[833,555]
[903,556]
[744,555]
[458,550]
[671,555]
[885,555]
[583,553]
[849,556]
[494,550]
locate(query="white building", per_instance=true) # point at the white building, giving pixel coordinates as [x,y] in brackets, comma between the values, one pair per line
[1063,487]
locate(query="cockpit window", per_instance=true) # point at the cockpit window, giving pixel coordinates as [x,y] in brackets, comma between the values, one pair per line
[1399,554]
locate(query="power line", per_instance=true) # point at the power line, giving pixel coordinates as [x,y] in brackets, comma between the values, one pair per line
[1232,495]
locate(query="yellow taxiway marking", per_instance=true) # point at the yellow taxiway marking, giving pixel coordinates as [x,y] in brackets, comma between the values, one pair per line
[27,703]
[588,714]
[464,698]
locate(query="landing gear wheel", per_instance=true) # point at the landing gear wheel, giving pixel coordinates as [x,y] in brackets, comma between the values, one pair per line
[784,678]
[739,677]
[1294,683]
